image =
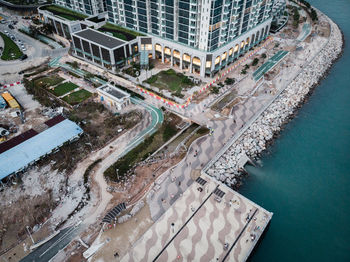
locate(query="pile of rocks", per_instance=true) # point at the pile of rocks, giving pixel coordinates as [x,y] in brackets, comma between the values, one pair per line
[254,140]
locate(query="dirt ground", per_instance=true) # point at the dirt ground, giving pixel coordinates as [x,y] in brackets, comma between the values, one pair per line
[31,203]
[134,189]
[121,238]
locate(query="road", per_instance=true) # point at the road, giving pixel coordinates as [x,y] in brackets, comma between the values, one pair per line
[48,250]
[37,53]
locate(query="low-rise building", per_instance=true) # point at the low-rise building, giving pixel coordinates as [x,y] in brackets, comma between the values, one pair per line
[103,50]
[113,97]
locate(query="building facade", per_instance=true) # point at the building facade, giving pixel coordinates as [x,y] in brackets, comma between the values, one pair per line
[113,97]
[201,36]
[198,36]
[88,7]
[103,50]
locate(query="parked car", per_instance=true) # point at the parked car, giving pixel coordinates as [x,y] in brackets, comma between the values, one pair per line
[6,32]
[23,57]
[11,26]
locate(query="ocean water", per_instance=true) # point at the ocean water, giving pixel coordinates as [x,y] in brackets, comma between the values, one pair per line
[305,177]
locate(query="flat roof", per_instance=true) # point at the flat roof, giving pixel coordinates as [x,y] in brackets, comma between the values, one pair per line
[209,222]
[32,149]
[100,38]
[63,12]
[114,91]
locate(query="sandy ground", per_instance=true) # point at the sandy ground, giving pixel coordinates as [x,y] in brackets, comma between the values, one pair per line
[123,236]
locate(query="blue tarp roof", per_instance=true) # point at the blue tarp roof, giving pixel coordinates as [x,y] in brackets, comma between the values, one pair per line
[2,102]
[32,149]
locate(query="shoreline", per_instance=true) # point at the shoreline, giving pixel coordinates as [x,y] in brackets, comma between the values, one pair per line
[262,133]
[304,100]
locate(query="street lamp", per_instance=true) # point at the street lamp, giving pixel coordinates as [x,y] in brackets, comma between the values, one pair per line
[27,227]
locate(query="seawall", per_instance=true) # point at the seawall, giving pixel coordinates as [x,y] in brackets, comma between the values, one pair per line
[264,127]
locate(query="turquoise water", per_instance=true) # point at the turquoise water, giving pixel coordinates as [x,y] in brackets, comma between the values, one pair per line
[305,178]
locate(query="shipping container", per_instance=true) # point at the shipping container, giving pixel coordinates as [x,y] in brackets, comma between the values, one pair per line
[10,100]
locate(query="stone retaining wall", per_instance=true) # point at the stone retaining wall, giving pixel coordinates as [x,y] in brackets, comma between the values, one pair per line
[256,137]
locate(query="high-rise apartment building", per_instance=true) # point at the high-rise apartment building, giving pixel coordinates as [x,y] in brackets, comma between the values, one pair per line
[199,35]
[88,7]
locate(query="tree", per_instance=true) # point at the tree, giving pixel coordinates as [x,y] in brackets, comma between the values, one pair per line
[230,81]
[47,29]
[243,72]
[263,56]
[75,64]
[313,15]
[89,75]
[215,90]
[255,61]
[33,30]
[296,17]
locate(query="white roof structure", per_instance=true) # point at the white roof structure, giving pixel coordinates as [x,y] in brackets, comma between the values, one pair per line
[20,156]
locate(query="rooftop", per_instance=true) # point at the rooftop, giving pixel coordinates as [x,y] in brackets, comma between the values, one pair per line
[64,12]
[99,38]
[31,149]
[120,32]
[209,222]
[114,91]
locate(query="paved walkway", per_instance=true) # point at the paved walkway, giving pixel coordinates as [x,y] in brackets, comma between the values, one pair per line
[175,182]
[269,65]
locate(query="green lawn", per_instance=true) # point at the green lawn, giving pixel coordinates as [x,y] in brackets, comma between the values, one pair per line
[21,2]
[77,97]
[64,88]
[11,50]
[170,80]
[120,32]
[64,12]
[48,81]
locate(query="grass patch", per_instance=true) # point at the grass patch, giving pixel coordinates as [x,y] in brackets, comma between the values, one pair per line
[120,169]
[64,88]
[200,132]
[132,93]
[77,97]
[11,50]
[41,94]
[21,2]
[74,74]
[132,71]
[48,81]
[63,12]
[219,105]
[170,80]
[172,146]
[120,32]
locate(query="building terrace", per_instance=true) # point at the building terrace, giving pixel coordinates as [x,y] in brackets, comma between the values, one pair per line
[64,12]
[120,32]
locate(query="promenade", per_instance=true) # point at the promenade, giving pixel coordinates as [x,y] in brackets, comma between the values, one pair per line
[209,222]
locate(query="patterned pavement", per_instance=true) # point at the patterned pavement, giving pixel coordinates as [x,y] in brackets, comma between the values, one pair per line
[174,182]
[205,224]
